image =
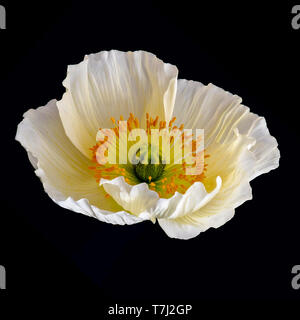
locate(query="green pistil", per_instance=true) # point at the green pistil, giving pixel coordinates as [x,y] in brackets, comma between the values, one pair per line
[149,172]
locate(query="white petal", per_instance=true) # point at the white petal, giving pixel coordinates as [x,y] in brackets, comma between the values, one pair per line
[219,112]
[114,83]
[62,169]
[180,229]
[265,149]
[182,204]
[83,206]
[234,163]
[137,199]
[33,160]
[209,108]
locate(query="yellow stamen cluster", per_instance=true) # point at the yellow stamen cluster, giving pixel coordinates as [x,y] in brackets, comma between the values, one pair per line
[173,178]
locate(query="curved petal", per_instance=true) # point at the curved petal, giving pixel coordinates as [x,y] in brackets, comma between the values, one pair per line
[176,228]
[62,169]
[114,83]
[219,112]
[265,149]
[137,199]
[209,108]
[182,204]
[83,206]
[233,162]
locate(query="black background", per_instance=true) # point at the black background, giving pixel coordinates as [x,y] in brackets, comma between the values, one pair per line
[247,48]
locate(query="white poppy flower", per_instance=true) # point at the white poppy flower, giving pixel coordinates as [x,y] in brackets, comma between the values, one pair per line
[60,139]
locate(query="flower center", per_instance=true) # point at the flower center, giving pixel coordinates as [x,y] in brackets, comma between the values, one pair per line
[163,177]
